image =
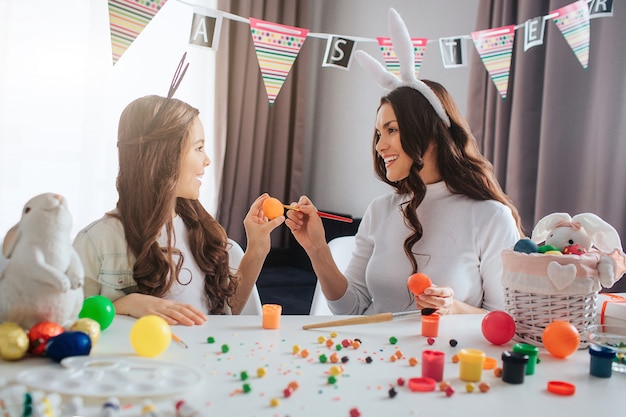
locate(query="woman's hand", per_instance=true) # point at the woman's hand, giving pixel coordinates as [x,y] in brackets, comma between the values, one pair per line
[258,227]
[306,225]
[441,298]
[139,305]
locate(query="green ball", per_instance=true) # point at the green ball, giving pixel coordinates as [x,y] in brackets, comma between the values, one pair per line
[98,308]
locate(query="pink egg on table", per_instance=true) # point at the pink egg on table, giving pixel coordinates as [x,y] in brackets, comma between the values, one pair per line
[498,327]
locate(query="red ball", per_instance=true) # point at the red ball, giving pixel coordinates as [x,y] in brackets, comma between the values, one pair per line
[498,327]
[40,333]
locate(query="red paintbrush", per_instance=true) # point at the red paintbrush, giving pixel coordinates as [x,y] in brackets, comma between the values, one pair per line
[324,215]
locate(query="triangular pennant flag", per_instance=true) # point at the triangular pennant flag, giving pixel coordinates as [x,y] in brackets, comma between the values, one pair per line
[495,47]
[127,18]
[573,21]
[391,60]
[277,47]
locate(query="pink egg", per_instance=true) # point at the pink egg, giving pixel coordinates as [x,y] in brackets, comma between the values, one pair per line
[498,327]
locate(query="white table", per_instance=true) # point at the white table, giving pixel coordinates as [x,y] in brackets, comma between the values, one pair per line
[361,385]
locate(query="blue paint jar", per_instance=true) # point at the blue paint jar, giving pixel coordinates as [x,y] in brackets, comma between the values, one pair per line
[601,361]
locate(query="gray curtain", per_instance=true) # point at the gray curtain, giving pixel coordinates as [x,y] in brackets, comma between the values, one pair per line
[264,144]
[558,141]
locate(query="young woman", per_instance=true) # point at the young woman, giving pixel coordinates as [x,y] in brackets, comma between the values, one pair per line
[160,252]
[448,217]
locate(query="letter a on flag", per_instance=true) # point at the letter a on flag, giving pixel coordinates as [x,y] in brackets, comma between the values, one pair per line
[277,47]
[495,47]
[573,21]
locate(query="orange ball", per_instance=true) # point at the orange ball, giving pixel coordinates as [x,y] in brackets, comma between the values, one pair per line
[272,207]
[560,338]
[418,282]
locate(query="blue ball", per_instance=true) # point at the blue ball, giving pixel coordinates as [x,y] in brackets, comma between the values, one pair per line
[526,245]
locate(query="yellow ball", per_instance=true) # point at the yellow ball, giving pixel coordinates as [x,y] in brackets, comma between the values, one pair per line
[150,336]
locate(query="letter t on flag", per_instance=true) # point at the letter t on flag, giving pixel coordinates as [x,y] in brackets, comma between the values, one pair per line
[277,47]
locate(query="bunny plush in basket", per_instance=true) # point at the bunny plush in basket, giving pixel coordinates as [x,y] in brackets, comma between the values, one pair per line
[595,241]
[43,279]
[558,272]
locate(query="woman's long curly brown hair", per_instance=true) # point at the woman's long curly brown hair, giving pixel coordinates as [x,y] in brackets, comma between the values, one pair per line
[461,165]
[153,135]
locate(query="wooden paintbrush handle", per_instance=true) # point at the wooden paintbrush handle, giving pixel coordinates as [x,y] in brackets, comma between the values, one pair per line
[375,318]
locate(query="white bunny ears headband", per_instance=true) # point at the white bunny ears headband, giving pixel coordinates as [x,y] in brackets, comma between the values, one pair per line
[403,48]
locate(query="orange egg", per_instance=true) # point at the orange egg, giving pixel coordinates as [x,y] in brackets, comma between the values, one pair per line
[418,282]
[272,207]
[560,338]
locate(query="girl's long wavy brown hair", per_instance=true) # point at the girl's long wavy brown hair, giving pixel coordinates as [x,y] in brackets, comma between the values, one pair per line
[153,135]
[461,165]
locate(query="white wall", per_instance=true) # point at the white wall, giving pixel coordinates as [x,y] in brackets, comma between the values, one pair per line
[341,174]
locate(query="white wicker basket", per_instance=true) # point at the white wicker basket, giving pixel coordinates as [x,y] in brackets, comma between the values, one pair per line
[540,289]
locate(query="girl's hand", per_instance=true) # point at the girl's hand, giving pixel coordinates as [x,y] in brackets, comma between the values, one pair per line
[258,227]
[139,305]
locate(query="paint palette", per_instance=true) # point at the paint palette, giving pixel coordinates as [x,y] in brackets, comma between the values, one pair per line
[112,376]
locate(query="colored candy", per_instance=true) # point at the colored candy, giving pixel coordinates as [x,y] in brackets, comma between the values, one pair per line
[13,341]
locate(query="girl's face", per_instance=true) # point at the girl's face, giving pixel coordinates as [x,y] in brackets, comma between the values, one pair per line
[192,164]
[397,162]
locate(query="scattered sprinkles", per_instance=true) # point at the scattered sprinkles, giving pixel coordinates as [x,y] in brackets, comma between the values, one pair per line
[413,361]
[393,340]
[261,372]
[430,340]
[453,342]
[210,339]
[470,387]
[354,412]
[225,348]
[392,392]
[484,386]
[368,359]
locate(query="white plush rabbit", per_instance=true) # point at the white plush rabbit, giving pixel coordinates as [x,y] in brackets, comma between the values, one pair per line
[43,280]
[590,232]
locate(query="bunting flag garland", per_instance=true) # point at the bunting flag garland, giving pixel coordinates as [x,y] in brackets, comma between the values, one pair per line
[127,18]
[573,21]
[391,60]
[277,47]
[495,47]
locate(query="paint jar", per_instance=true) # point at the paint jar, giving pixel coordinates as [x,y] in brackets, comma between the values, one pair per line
[513,367]
[471,364]
[432,364]
[271,316]
[430,325]
[601,361]
[531,351]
